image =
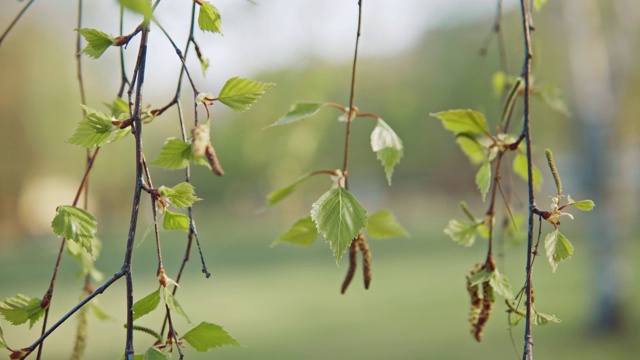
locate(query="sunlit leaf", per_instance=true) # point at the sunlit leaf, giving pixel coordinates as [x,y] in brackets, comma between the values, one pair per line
[543,319]
[299,111]
[209,18]
[20,309]
[155,354]
[94,130]
[471,147]
[482,275]
[180,196]
[208,336]
[558,248]
[97,42]
[146,305]
[500,285]
[142,7]
[118,107]
[499,83]
[520,168]
[463,121]
[339,217]
[3,343]
[539,3]
[387,146]
[303,233]
[483,178]
[383,225]
[174,305]
[239,94]
[584,205]
[175,221]
[176,154]
[278,195]
[75,224]
[462,232]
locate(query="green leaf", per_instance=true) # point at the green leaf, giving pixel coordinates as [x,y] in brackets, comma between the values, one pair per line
[471,147]
[180,196]
[500,284]
[299,111]
[584,205]
[140,6]
[99,313]
[94,130]
[339,217]
[175,221]
[558,248]
[483,178]
[3,342]
[482,275]
[278,195]
[553,98]
[85,259]
[463,121]
[174,305]
[539,3]
[97,42]
[208,336]
[176,154]
[543,319]
[302,233]
[155,354]
[520,168]
[209,18]
[146,305]
[499,83]
[118,107]
[383,225]
[20,309]
[239,94]
[75,224]
[462,232]
[387,146]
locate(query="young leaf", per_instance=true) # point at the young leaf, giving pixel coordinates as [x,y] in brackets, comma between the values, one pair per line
[180,196]
[174,305]
[483,178]
[75,224]
[140,6]
[461,232]
[387,146]
[208,336]
[383,225]
[483,275]
[239,94]
[118,107]
[339,217]
[584,205]
[553,98]
[539,3]
[520,168]
[499,83]
[302,233]
[155,354]
[146,305]
[175,221]
[500,284]
[463,121]
[176,154]
[471,147]
[279,195]
[94,130]
[209,18]
[3,343]
[97,42]
[543,319]
[558,248]
[20,309]
[299,111]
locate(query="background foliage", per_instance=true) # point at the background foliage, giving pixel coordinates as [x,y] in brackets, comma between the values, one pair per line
[284,302]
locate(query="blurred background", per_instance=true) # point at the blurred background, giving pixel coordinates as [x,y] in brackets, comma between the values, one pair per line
[417,57]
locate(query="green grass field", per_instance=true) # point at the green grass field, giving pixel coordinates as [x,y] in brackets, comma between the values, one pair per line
[284,303]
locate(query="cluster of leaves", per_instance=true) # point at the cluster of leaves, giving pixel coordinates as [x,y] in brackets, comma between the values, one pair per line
[337,214]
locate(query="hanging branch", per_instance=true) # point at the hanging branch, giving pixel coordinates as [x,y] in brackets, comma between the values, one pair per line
[15,20]
[526,133]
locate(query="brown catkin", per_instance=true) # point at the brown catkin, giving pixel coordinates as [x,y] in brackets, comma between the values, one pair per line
[353,263]
[366,259]
[476,300]
[210,153]
[485,311]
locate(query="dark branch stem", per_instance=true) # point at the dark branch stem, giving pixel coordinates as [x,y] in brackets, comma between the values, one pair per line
[124,81]
[154,213]
[345,167]
[527,353]
[15,21]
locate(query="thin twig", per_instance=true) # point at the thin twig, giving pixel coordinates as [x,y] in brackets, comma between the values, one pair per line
[527,353]
[15,21]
